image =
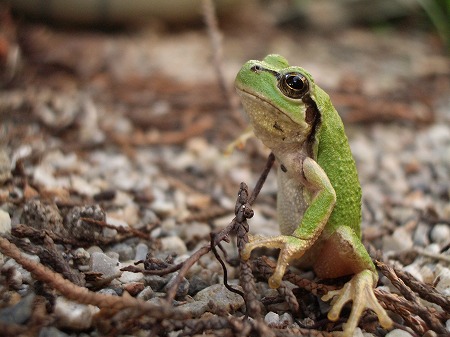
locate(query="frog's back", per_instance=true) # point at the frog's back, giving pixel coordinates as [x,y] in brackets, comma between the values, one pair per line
[335,157]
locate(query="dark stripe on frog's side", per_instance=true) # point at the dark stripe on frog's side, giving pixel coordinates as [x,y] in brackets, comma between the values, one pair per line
[313,118]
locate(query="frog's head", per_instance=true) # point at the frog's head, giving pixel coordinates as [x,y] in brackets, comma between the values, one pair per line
[277,99]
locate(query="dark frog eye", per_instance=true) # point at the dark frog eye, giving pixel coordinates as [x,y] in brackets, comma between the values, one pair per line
[293,85]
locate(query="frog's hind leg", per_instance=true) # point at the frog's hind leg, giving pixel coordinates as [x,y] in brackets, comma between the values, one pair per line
[343,254]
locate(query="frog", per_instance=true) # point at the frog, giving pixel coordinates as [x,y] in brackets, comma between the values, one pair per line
[319,193]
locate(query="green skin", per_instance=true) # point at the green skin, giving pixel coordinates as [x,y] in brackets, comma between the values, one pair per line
[319,195]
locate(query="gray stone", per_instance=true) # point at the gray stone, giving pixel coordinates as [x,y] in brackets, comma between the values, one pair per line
[224,299]
[25,276]
[196,284]
[43,216]
[84,230]
[108,291]
[194,309]
[124,250]
[183,287]
[101,263]
[51,332]
[18,313]
[141,252]
[420,236]
[146,294]
[156,282]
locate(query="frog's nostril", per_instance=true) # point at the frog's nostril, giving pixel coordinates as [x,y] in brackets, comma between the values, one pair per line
[256,68]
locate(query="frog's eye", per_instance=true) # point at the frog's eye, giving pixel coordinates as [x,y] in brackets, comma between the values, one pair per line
[293,85]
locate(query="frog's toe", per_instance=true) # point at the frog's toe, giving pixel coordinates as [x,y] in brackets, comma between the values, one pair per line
[258,242]
[359,290]
[291,248]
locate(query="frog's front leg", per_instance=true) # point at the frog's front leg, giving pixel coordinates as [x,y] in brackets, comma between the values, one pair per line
[343,253]
[293,246]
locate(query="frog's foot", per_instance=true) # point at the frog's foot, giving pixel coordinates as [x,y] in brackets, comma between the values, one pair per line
[359,290]
[291,248]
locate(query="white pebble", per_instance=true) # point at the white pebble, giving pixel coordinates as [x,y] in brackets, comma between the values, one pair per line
[173,244]
[73,315]
[5,222]
[400,240]
[440,233]
[442,282]
[272,318]
[286,318]
[141,251]
[398,333]
[414,270]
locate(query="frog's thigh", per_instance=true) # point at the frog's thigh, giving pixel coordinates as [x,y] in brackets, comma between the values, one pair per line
[342,254]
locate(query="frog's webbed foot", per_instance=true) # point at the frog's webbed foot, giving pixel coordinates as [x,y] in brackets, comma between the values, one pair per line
[359,290]
[291,248]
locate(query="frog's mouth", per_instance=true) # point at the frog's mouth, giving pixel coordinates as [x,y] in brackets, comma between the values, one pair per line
[262,99]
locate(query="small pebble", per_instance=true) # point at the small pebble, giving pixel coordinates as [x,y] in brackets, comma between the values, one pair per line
[125,251]
[5,222]
[272,319]
[51,332]
[183,287]
[108,291]
[286,318]
[72,315]
[440,233]
[141,252]
[400,240]
[81,256]
[134,288]
[18,313]
[442,281]
[224,299]
[398,333]
[146,293]
[415,270]
[101,263]
[173,244]
[194,309]
[420,236]
[129,277]
[25,275]
[156,282]
[196,283]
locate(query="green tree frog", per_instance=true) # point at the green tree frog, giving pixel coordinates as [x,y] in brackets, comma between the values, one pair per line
[319,195]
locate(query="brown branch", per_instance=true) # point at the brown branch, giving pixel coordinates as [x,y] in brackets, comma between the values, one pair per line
[222,235]
[83,295]
[412,299]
